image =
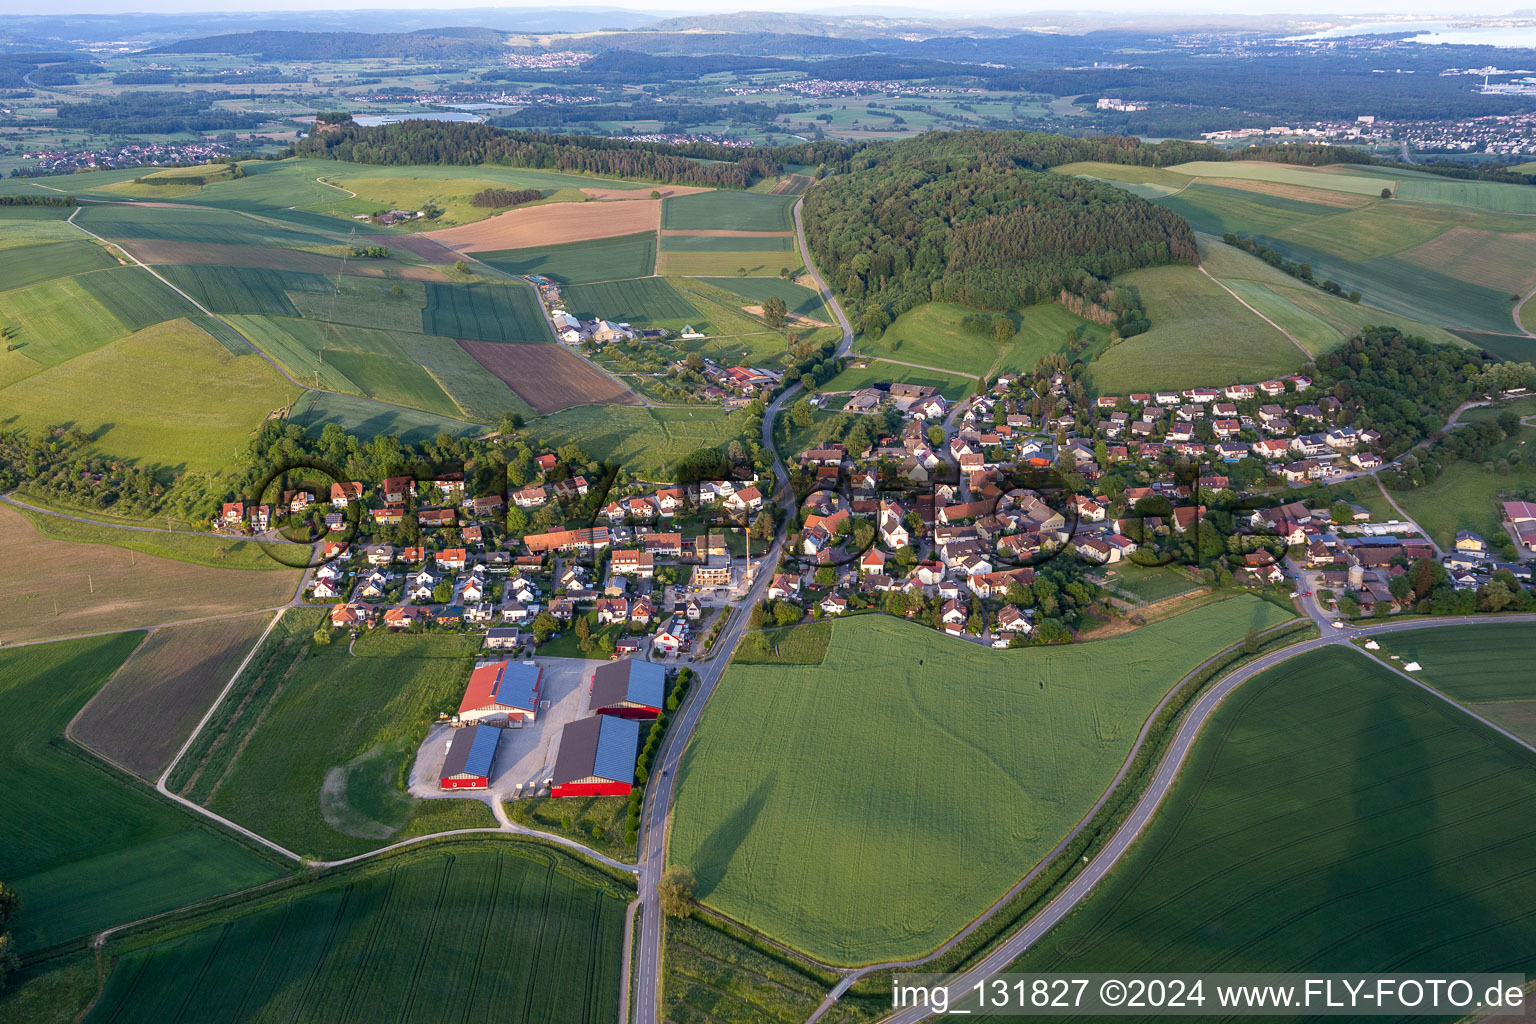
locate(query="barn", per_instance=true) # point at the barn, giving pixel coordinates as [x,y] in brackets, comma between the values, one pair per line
[597,757]
[503,693]
[470,753]
[629,689]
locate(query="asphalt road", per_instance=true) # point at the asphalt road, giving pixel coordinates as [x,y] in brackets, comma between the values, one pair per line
[1167,772]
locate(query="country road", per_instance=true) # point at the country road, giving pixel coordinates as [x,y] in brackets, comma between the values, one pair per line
[657,813]
[1167,773]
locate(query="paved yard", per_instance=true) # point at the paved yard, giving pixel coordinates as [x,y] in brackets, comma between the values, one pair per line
[525,755]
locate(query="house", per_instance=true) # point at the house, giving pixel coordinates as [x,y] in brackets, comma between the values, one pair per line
[343,494]
[379,554]
[953,613]
[1011,620]
[1366,460]
[325,590]
[400,618]
[628,689]
[1471,543]
[784,587]
[748,499]
[834,604]
[389,515]
[873,561]
[502,693]
[587,540]
[1095,550]
[611,610]
[665,544]
[473,591]
[641,564]
[596,757]
[397,488]
[452,558]
[1518,512]
[350,616]
[503,638]
[233,513]
[641,610]
[471,752]
[671,638]
[530,497]
[486,505]
[434,518]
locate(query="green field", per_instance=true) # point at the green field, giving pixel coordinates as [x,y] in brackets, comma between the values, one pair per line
[642,300]
[805,644]
[1331,817]
[57,320]
[370,363]
[932,336]
[178,224]
[1200,336]
[892,777]
[1218,210]
[1512,347]
[168,396]
[245,289]
[364,716]
[368,418]
[744,264]
[951,386]
[1465,496]
[135,297]
[1287,174]
[482,930]
[727,210]
[718,243]
[798,299]
[1319,320]
[366,302]
[1477,195]
[1150,585]
[28,264]
[1484,666]
[484,312]
[87,849]
[600,259]
[644,441]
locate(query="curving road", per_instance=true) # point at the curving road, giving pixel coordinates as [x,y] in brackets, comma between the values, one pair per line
[1167,773]
[656,815]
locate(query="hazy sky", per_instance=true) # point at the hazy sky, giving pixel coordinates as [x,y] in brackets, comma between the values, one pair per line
[975,8]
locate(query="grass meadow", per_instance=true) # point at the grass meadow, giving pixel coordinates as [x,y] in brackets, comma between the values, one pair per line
[878,371]
[727,210]
[1484,666]
[598,259]
[1331,817]
[1200,336]
[483,929]
[640,300]
[331,711]
[193,424]
[484,312]
[895,774]
[798,299]
[57,320]
[1465,496]
[28,264]
[212,550]
[367,417]
[245,289]
[128,221]
[644,441]
[86,848]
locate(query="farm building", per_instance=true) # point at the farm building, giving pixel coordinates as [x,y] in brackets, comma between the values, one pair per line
[502,693]
[597,757]
[470,753]
[629,689]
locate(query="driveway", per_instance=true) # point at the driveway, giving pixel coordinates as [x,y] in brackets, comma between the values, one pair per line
[524,755]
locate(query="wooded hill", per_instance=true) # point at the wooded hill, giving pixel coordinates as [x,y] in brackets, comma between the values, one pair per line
[426,44]
[970,218]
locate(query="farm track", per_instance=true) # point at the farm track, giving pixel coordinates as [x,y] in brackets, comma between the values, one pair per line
[1255,312]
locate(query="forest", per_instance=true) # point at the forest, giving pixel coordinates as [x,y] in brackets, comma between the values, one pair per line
[428,44]
[971,218]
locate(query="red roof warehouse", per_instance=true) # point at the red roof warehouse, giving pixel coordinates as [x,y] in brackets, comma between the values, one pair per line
[597,757]
[470,753]
[502,691]
[629,689]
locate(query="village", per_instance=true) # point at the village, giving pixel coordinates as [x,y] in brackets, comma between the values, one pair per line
[983,519]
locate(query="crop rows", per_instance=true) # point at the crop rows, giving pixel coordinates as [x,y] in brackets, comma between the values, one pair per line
[486,312]
[466,935]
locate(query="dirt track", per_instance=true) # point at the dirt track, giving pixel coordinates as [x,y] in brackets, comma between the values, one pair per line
[667,191]
[553,224]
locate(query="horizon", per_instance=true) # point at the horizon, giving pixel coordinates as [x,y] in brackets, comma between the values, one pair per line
[1413,11]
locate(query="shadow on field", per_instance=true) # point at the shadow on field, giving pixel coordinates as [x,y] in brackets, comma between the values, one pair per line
[717,849]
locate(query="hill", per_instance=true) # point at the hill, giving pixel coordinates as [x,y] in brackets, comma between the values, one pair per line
[425,44]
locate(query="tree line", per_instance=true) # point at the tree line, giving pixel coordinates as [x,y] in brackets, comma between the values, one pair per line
[496,198]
